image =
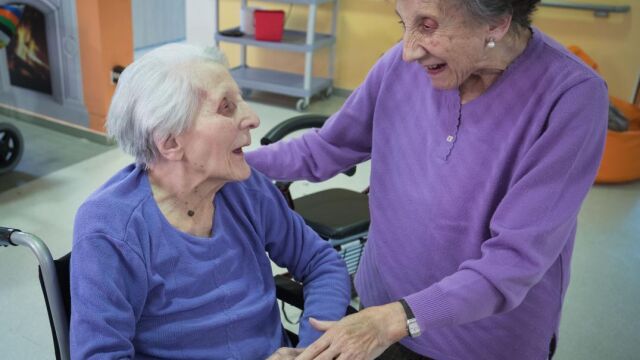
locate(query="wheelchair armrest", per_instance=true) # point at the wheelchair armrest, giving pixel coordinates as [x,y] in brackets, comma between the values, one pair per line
[290,292]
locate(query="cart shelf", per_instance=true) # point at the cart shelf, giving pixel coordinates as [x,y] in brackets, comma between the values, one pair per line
[292,40]
[277,81]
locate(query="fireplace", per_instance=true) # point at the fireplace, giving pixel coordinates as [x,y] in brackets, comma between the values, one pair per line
[40,69]
[28,55]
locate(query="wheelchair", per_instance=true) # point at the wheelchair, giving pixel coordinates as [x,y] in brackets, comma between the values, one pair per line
[11,147]
[339,216]
[55,282]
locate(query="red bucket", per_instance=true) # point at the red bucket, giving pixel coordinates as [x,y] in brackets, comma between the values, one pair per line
[269,24]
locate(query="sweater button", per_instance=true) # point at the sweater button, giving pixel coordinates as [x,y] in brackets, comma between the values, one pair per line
[450,138]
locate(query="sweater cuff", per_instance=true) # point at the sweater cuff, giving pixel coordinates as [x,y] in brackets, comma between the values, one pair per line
[463,297]
[431,307]
[307,335]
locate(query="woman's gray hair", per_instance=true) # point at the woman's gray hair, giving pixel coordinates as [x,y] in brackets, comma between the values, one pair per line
[489,11]
[158,95]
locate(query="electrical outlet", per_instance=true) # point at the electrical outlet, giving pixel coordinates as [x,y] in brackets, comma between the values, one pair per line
[115,73]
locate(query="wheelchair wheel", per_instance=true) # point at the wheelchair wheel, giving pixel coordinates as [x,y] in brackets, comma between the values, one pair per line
[11,147]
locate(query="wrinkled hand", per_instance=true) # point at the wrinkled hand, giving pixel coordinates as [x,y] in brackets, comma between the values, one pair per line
[361,336]
[285,354]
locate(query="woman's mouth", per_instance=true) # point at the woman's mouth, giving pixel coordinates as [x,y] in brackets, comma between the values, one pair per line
[435,68]
[237,151]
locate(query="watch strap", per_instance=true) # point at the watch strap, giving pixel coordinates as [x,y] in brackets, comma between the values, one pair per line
[407,309]
[412,324]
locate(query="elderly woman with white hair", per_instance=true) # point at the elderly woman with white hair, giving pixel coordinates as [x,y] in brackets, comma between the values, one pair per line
[171,255]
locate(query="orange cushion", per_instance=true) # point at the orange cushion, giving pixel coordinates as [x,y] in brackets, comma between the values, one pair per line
[621,158]
[576,50]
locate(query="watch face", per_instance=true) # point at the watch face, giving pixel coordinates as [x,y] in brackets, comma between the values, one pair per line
[414,328]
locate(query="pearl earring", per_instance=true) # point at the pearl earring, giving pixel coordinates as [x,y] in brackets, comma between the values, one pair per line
[491,43]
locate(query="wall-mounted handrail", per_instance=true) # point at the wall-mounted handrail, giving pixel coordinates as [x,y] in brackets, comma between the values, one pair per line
[598,10]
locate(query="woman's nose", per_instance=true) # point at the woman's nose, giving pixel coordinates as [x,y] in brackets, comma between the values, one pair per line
[254,120]
[249,117]
[411,49]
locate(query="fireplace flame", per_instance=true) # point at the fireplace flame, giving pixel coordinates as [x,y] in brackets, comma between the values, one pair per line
[27,49]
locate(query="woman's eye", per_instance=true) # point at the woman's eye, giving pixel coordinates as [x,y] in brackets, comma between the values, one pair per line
[226,107]
[402,24]
[429,24]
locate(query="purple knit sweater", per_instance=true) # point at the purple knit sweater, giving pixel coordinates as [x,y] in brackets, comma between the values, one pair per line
[473,207]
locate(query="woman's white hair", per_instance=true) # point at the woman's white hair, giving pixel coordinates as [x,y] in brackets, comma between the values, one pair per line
[158,95]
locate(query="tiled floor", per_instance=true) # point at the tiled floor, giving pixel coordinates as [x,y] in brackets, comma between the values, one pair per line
[601,318]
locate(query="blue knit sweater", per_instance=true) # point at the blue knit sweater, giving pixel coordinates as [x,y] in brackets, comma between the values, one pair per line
[140,288]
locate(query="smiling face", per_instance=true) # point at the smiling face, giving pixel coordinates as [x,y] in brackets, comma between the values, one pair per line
[445,42]
[213,144]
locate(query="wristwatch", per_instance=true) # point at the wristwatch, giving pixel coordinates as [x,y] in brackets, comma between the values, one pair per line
[412,324]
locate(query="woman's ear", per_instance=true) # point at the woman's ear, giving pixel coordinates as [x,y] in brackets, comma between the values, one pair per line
[499,29]
[170,148]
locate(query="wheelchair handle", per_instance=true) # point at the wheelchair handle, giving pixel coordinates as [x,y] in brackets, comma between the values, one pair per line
[5,236]
[300,122]
[15,237]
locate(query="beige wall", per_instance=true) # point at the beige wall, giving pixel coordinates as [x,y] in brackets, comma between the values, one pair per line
[366,28]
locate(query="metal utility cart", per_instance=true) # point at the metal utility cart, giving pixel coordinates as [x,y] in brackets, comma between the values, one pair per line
[304,86]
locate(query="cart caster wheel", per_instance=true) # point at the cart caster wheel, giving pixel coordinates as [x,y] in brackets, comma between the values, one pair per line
[11,147]
[328,92]
[302,104]
[246,93]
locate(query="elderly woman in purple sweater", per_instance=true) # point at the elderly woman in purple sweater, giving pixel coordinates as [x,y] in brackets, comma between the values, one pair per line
[171,255]
[484,137]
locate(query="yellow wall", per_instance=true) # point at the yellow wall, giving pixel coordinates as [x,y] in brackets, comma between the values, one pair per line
[613,42]
[366,28]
